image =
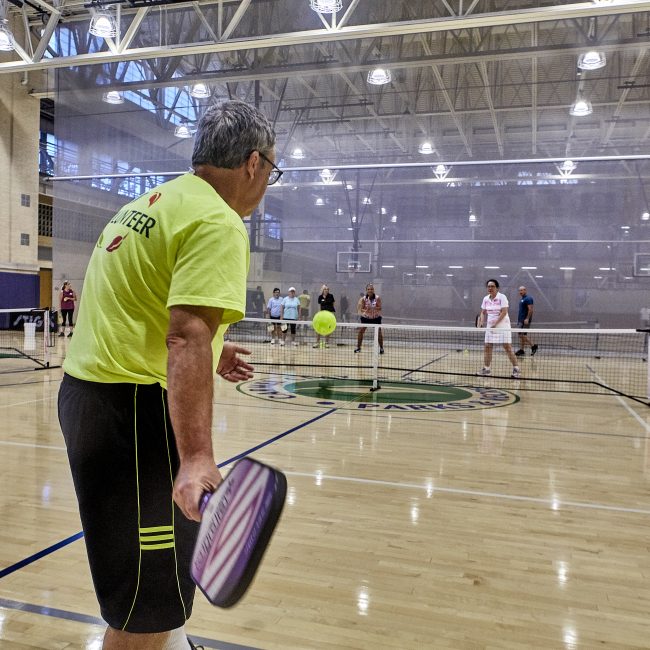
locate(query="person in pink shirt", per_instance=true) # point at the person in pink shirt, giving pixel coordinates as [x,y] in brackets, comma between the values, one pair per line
[67,298]
[494,317]
[369,310]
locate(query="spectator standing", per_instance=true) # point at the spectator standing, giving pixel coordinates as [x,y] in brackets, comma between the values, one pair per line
[290,307]
[326,303]
[67,299]
[274,312]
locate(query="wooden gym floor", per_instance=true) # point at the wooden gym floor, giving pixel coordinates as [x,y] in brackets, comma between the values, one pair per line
[522,526]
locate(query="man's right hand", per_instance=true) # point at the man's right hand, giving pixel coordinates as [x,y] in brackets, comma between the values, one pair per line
[195,477]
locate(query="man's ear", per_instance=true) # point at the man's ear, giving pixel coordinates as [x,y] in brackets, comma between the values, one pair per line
[251,164]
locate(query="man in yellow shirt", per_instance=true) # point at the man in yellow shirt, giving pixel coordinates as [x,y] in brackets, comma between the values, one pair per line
[166,278]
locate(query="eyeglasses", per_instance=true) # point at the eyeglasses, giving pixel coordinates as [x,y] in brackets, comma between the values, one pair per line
[276,172]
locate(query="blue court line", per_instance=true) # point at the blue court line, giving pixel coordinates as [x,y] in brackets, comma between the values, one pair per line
[73,538]
[40,554]
[280,435]
[94,620]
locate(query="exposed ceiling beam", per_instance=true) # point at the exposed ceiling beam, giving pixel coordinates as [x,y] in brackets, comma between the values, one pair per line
[235,20]
[378,30]
[407,63]
[619,107]
[127,39]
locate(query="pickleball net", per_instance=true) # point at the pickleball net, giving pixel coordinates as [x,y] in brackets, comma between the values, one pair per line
[25,340]
[599,361]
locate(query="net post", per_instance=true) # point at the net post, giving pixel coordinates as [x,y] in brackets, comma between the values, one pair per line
[375,357]
[46,337]
[648,377]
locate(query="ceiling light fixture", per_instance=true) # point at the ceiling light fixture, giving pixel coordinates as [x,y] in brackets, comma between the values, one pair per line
[426,148]
[441,172]
[566,167]
[327,175]
[379,77]
[645,216]
[298,153]
[200,90]
[103,24]
[581,107]
[592,60]
[113,97]
[326,6]
[393,219]
[184,130]
[319,201]
[7,43]
[473,219]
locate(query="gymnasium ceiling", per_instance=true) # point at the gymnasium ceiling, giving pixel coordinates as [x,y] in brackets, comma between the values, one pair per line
[478,79]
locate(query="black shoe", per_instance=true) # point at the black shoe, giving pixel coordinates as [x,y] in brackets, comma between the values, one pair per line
[533,350]
[69,335]
[61,334]
[519,353]
[381,350]
[357,350]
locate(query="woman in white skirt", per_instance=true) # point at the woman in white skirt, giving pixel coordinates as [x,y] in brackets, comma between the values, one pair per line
[494,317]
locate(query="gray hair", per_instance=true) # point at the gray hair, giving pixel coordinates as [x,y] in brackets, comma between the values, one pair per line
[228,133]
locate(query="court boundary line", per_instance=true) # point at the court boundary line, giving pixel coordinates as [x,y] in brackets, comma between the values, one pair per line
[478,493]
[72,538]
[78,617]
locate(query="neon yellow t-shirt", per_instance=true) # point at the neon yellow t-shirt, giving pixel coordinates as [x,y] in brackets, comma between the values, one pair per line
[179,244]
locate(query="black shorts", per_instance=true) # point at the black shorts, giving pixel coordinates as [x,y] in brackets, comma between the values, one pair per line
[123,457]
[370,321]
[67,314]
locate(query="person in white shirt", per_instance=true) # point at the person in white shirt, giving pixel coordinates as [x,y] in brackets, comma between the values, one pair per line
[494,317]
[290,308]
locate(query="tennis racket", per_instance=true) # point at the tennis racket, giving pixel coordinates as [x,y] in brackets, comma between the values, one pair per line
[236,526]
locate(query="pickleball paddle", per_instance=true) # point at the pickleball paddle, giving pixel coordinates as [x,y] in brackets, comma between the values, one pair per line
[236,526]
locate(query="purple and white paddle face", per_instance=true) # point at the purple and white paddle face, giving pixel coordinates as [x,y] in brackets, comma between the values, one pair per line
[237,523]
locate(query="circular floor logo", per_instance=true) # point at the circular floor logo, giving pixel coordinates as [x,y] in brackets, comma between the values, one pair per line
[357,395]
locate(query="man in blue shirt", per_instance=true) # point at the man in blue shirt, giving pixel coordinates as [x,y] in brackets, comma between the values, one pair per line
[524,320]
[274,312]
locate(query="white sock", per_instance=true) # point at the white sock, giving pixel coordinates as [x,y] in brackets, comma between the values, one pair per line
[177,640]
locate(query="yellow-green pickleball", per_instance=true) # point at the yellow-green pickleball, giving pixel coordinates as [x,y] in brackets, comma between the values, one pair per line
[324,323]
